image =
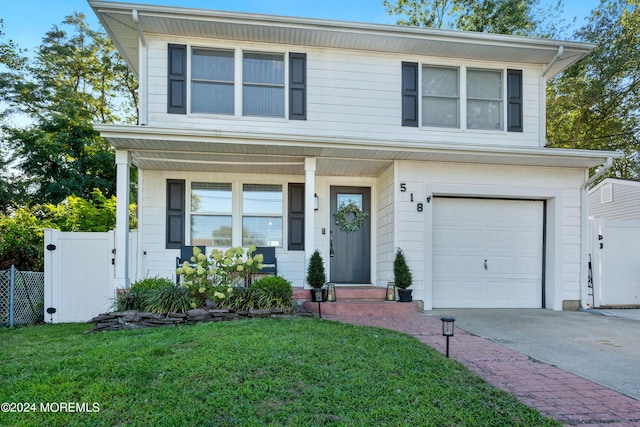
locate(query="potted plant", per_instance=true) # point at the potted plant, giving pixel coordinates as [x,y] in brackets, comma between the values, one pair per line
[316,277]
[402,277]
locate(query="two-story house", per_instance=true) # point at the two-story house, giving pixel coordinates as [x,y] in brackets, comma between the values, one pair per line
[258,129]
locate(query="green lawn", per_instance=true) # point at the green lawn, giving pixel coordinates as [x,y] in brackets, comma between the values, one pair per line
[293,372]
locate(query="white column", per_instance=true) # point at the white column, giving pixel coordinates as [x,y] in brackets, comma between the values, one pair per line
[123,164]
[309,212]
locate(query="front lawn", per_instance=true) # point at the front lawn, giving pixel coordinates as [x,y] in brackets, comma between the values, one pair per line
[281,372]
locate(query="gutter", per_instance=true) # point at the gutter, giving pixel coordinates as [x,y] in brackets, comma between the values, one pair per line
[583,231]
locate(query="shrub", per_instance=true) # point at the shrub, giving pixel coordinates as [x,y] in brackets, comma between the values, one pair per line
[272,292]
[133,299]
[265,293]
[316,276]
[150,283]
[171,298]
[215,276]
[401,271]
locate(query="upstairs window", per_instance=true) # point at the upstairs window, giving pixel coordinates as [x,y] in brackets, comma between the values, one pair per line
[462,98]
[484,100]
[236,83]
[440,97]
[212,76]
[263,85]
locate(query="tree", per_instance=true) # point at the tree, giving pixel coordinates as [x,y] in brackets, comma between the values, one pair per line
[518,17]
[76,78]
[594,104]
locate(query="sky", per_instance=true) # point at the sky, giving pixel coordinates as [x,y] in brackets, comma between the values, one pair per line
[26,21]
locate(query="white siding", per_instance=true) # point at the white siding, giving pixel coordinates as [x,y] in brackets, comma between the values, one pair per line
[560,188]
[349,94]
[386,220]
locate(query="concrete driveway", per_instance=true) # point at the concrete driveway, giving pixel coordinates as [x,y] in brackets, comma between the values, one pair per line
[602,346]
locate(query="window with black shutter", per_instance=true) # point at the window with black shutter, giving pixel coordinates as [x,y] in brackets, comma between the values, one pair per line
[410,94]
[298,86]
[514,100]
[296,217]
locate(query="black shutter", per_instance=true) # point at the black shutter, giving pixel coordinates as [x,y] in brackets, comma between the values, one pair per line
[298,86]
[514,100]
[410,94]
[175,213]
[177,79]
[296,217]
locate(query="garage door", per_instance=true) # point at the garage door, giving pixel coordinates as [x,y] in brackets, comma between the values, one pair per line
[487,253]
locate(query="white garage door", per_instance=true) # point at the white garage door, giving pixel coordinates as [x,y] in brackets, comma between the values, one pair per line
[487,253]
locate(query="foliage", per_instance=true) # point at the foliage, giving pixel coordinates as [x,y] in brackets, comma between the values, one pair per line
[169,298]
[316,276]
[276,372]
[22,230]
[518,17]
[134,298]
[215,276]
[401,272]
[76,78]
[347,210]
[272,292]
[22,240]
[594,104]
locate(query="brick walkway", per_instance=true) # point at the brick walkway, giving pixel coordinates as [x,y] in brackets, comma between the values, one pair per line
[558,394]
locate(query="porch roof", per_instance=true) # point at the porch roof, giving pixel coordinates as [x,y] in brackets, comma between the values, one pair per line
[196,150]
[128,23]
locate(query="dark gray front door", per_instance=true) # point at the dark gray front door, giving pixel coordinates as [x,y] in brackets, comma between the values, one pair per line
[351,251]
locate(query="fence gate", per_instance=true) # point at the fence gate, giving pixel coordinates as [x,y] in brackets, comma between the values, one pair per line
[79,275]
[21,297]
[616,262]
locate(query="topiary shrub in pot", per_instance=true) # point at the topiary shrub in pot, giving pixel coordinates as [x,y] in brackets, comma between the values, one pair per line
[316,276]
[402,277]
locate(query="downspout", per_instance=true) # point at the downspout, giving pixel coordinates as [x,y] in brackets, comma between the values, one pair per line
[553,61]
[584,189]
[142,73]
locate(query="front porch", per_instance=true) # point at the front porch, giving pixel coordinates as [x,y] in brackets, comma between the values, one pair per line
[355,301]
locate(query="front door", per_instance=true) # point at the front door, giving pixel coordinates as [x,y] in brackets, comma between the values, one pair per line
[350,244]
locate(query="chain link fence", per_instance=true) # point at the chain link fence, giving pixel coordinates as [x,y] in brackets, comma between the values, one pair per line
[21,297]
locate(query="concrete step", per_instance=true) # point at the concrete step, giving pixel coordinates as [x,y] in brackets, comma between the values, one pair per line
[356,301]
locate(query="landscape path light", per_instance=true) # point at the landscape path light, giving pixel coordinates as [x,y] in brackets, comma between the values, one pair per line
[447,329]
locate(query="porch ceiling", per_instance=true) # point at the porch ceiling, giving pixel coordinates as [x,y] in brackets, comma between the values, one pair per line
[125,29]
[190,150]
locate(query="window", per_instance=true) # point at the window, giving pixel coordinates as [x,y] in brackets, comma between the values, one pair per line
[263,85]
[212,75]
[232,82]
[440,97]
[490,99]
[484,99]
[211,214]
[262,215]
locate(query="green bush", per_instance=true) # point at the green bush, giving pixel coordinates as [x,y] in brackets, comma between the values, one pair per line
[171,298]
[150,283]
[316,276]
[265,293]
[401,272]
[155,294]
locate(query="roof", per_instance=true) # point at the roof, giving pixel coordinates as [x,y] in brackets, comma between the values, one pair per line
[128,23]
[201,150]
[616,182]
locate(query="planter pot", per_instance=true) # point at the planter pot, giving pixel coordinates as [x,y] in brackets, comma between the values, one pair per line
[318,295]
[404,295]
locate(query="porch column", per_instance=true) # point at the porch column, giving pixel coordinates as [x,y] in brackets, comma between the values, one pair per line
[309,212]
[123,164]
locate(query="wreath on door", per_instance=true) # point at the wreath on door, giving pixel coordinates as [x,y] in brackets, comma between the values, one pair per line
[343,221]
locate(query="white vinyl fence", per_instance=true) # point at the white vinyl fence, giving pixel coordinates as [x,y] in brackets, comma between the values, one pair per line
[615,260]
[79,274]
